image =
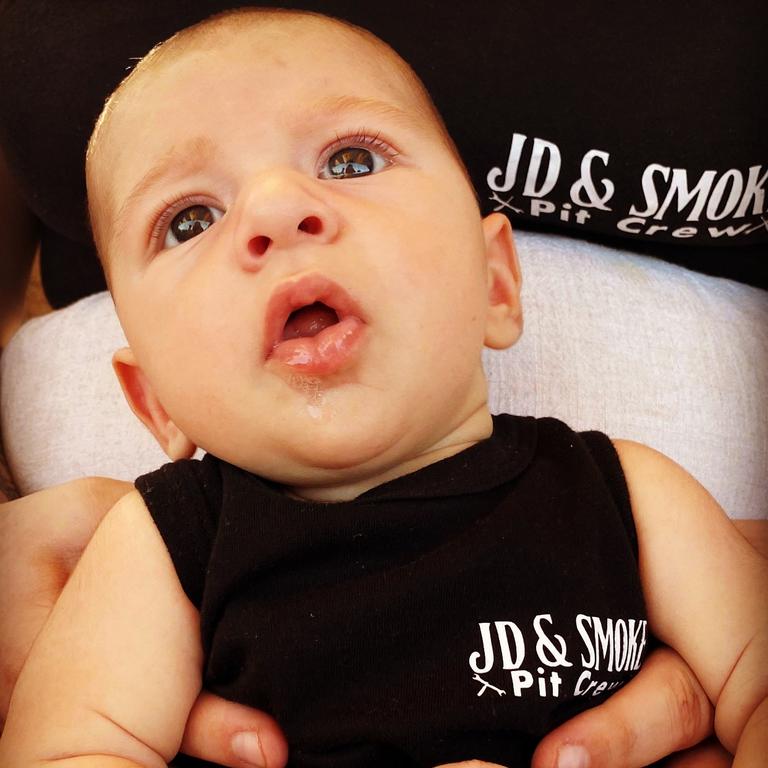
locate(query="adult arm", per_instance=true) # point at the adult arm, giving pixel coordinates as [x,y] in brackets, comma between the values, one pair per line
[18,241]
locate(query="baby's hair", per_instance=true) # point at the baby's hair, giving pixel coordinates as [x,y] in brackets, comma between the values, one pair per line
[208,32]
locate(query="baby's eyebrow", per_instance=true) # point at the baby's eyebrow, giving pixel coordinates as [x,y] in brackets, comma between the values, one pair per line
[181,159]
[338,105]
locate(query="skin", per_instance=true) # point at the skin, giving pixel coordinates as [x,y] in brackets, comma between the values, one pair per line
[376,239]
[478,282]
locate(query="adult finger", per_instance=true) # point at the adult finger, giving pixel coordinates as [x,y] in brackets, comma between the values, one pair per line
[662,710]
[234,735]
[471,764]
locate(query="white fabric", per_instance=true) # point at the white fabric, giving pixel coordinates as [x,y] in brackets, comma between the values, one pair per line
[614,341]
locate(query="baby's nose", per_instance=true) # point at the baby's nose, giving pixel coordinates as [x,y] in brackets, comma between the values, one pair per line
[258,245]
[282,211]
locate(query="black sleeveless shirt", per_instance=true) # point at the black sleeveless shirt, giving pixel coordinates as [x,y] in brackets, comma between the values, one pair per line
[639,125]
[462,611]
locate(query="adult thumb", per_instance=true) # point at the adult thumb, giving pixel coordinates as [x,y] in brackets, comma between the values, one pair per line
[233,735]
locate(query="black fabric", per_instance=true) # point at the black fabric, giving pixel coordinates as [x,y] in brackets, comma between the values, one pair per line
[359,624]
[671,92]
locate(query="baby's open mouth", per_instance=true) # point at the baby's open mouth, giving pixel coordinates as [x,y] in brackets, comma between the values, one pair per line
[312,326]
[309,321]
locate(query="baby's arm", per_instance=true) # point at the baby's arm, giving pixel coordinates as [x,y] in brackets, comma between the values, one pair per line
[115,671]
[707,594]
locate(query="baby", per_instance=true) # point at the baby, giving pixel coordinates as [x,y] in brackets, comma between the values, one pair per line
[306,284]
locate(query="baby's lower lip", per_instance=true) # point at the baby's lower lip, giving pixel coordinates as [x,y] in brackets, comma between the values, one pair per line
[326,353]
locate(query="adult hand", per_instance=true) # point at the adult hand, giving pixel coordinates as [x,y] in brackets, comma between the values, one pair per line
[233,735]
[662,710]
[41,539]
[18,240]
[471,764]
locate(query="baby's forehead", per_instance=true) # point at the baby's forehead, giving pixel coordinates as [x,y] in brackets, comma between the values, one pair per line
[322,54]
[273,43]
[307,72]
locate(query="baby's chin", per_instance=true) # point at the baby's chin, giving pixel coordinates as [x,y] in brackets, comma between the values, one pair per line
[336,464]
[343,454]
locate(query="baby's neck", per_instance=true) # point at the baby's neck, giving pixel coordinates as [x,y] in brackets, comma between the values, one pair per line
[478,427]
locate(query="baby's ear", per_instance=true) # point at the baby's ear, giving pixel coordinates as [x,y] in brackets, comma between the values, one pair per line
[505,312]
[144,403]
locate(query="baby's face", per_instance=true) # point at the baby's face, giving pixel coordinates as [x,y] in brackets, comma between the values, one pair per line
[297,259]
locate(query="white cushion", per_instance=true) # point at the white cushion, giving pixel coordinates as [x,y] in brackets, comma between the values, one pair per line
[613,341]
[63,412]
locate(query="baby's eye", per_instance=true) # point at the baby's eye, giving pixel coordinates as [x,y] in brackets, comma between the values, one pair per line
[349,162]
[189,223]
